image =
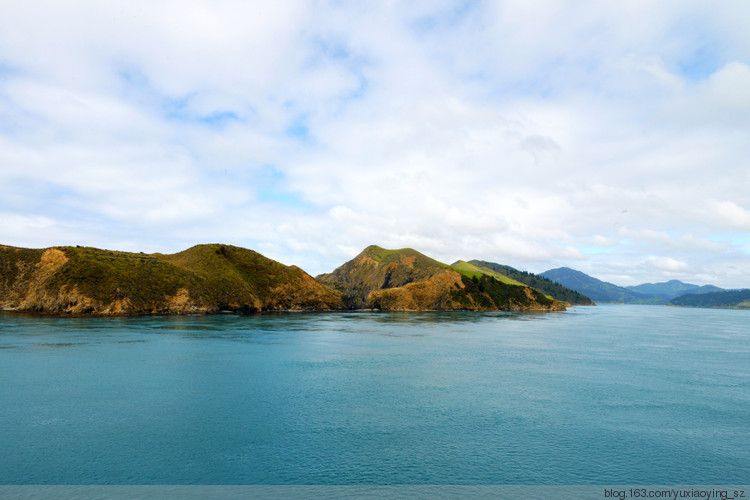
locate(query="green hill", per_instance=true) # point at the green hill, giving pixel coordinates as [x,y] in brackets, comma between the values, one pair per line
[376,268]
[540,283]
[201,279]
[728,299]
[470,269]
[405,279]
[672,289]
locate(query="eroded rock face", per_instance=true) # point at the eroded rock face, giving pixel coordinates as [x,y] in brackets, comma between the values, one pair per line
[376,269]
[433,294]
[450,291]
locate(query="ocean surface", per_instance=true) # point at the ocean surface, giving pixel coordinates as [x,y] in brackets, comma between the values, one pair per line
[594,395]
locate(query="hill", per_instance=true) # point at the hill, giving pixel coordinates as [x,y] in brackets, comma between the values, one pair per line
[544,285]
[405,279]
[728,299]
[672,289]
[470,269]
[376,268]
[201,279]
[597,290]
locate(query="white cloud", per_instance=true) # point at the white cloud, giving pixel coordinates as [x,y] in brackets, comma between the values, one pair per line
[732,214]
[519,132]
[666,264]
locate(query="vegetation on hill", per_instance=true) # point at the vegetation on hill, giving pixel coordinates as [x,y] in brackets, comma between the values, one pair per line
[470,269]
[730,299]
[672,289]
[535,281]
[408,280]
[204,278]
[376,268]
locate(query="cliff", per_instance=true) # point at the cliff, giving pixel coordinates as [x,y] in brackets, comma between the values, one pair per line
[376,268]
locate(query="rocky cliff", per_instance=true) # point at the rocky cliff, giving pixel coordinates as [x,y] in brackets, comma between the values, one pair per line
[376,268]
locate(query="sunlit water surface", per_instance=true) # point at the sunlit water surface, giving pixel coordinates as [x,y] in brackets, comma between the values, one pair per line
[595,395]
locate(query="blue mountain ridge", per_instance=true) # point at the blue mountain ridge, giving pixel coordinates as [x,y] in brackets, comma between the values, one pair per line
[602,291]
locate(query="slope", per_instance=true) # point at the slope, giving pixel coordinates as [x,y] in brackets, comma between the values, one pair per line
[204,278]
[545,285]
[405,279]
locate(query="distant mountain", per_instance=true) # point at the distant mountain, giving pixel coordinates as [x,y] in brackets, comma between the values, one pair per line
[597,290]
[672,289]
[407,280]
[538,282]
[201,279]
[731,299]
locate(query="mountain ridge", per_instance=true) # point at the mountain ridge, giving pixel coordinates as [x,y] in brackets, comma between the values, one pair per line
[596,289]
[672,288]
[664,293]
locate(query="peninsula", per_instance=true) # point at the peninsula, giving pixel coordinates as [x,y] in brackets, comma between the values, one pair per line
[212,278]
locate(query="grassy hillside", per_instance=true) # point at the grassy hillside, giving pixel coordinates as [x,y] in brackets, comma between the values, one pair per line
[204,278]
[537,282]
[405,279]
[470,269]
[414,259]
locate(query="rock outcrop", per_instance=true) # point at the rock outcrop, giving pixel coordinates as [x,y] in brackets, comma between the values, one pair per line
[376,268]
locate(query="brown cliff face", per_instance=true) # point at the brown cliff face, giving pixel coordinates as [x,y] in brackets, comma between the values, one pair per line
[377,269]
[202,279]
[451,291]
[406,280]
[433,294]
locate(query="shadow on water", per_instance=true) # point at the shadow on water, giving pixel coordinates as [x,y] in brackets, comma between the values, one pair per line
[60,331]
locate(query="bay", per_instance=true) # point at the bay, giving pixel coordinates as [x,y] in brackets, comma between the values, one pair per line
[594,395]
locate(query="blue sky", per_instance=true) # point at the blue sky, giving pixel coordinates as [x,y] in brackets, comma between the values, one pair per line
[614,139]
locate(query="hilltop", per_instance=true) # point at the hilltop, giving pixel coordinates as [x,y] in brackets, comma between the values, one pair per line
[406,279]
[201,279]
[376,268]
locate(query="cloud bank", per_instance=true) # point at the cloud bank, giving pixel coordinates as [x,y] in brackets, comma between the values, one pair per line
[608,138]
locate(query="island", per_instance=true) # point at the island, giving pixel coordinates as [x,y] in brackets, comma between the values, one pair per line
[213,278]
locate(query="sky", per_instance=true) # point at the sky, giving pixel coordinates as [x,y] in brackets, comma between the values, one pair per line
[609,137]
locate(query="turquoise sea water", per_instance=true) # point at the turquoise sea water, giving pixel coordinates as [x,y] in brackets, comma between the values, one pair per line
[595,395]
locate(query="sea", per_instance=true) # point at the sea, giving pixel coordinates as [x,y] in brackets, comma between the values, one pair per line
[612,394]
